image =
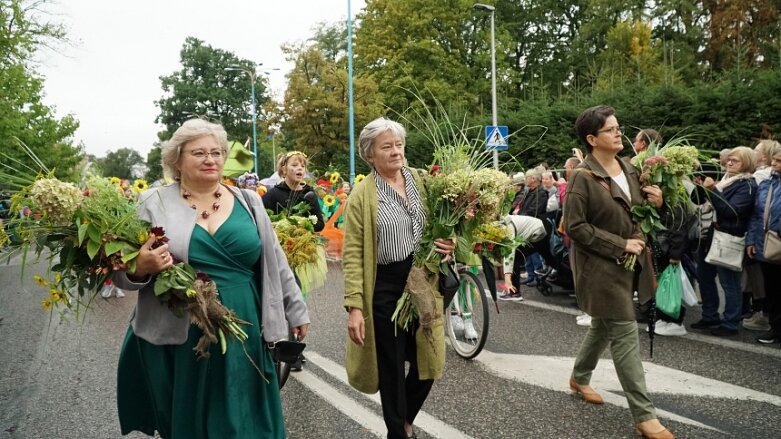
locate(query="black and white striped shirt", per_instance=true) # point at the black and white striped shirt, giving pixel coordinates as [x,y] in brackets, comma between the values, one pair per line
[399,224]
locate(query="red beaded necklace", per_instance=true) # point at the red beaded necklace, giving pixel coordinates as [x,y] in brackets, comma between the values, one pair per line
[216,205]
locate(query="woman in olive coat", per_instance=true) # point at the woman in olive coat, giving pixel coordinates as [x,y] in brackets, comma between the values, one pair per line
[384,220]
[598,221]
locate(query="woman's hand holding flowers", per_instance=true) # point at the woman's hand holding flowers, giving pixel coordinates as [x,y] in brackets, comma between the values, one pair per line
[152,260]
[445,247]
[653,194]
[634,246]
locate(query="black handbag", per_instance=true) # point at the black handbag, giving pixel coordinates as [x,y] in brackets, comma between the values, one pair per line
[287,351]
[448,283]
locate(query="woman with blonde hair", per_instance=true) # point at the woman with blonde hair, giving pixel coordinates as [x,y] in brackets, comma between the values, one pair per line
[733,201]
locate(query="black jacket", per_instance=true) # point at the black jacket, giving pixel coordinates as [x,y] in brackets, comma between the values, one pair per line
[281,198]
[733,207]
[536,203]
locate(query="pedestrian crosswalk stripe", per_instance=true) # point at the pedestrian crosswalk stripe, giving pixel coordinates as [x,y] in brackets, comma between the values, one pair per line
[431,425]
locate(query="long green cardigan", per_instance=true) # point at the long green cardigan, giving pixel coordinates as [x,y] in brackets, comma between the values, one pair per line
[359,263]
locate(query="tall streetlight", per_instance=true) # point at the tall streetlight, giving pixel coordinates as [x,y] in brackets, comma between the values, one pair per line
[350,108]
[492,10]
[253,77]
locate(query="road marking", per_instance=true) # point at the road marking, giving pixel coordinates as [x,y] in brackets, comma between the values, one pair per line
[554,372]
[342,402]
[431,425]
[716,341]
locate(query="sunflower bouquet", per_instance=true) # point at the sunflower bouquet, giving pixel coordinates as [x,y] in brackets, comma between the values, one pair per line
[666,167]
[304,249]
[91,232]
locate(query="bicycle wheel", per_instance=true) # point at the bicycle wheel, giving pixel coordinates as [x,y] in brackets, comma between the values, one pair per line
[466,319]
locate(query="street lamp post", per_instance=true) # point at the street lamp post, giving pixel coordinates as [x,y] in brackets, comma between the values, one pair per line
[253,76]
[492,10]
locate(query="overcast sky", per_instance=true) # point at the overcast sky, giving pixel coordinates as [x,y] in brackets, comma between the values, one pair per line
[109,77]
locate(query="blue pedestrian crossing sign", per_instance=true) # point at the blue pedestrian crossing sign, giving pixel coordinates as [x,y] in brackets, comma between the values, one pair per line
[496,137]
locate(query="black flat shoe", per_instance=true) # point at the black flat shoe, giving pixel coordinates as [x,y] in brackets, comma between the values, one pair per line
[723,332]
[704,324]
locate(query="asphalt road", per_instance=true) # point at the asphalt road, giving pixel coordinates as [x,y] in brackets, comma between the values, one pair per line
[57,377]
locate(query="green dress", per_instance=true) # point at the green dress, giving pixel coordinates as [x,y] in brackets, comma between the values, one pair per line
[166,388]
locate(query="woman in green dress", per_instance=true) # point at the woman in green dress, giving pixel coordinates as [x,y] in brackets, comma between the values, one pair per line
[162,385]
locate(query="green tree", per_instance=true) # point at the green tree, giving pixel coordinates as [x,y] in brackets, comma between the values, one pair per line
[420,45]
[203,87]
[315,107]
[24,115]
[154,164]
[120,163]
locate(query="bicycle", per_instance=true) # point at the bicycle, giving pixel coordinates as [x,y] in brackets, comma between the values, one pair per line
[466,318]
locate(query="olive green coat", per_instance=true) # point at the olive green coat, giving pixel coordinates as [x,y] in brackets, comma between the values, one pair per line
[599,224]
[359,264]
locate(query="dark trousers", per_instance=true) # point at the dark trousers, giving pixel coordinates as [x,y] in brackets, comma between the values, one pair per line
[542,247]
[401,397]
[772,274]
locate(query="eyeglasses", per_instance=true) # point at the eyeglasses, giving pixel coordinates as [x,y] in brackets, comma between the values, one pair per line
[612,130]
[733,160]
[201,155]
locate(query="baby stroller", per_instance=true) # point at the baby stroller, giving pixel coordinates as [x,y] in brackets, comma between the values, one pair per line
[559,272]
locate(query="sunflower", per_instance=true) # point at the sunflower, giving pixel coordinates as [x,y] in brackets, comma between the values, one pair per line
[261,190]
[359,178]
[116,180]
[335,177]
[329,200]
[140,185]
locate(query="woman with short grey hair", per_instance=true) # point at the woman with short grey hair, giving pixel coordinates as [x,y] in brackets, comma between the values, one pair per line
[375,128]
[190,130]
[384,222]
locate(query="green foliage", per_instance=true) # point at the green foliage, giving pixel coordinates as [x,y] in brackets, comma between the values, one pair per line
[120,163]
[316,107]
[203,87]
[25,118]
[154,165]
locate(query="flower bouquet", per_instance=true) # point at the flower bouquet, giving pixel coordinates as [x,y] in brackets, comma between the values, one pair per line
[90,233]
[493,241]
[665,167]
[304,249]
[463,194]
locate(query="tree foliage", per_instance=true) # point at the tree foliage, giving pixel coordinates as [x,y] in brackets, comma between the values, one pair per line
[316,105]
[208,86]
[120,163]
[26,119]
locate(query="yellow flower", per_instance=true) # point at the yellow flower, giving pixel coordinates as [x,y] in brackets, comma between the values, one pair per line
[329,200]
[140,186]
[359,178]
[143,236]
[40,281]
[116,180]
[57,277]
[335,177]
[46,304]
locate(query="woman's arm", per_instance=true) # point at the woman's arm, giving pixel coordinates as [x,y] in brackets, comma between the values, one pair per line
[353,254]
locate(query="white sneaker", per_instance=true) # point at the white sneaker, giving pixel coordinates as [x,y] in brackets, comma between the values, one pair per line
[668,329]
[456,322]
[106,291]
[469,330]
[583,320]
[119,292]
[757,322]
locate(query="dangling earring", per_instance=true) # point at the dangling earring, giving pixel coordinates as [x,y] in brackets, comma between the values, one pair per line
[178,176]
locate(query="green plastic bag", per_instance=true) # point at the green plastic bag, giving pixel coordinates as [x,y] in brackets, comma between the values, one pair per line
[668,293]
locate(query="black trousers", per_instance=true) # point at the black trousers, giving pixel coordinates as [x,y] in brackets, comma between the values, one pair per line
[772,274]
[401,396]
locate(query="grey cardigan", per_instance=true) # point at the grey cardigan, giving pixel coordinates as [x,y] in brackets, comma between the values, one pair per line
[283,305]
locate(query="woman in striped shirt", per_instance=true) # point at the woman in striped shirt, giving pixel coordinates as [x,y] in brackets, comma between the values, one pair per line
[384,221]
